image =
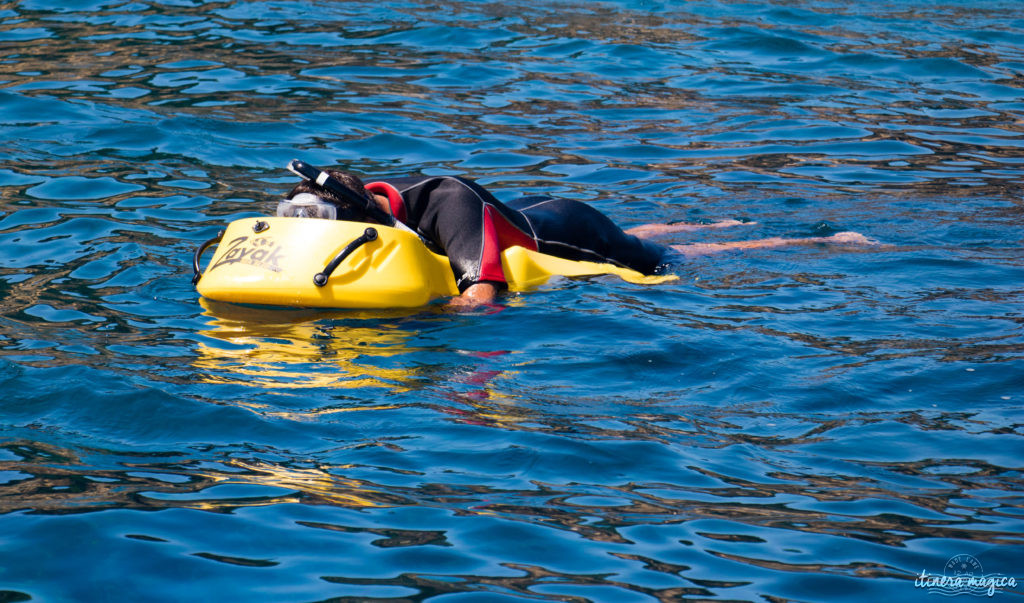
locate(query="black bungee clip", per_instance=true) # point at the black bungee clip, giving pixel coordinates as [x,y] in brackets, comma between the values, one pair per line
[320,278]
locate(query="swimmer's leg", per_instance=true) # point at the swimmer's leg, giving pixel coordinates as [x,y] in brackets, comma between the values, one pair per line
[646,231]
[840,238]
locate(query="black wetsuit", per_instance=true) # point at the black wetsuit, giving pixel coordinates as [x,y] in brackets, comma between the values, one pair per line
[472,228]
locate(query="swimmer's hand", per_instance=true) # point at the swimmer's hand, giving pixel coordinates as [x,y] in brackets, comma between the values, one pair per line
[851,238]
[728,223]
[478,294]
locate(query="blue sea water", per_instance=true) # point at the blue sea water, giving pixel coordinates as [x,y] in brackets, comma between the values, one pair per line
[798,424]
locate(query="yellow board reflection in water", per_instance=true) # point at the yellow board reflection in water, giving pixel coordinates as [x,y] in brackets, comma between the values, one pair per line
[287,350]
[296,349]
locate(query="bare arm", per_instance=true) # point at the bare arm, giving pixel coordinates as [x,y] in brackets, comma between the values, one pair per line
[841,238]
[647,231]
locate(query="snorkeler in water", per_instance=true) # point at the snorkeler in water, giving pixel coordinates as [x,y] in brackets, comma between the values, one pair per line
[462,220]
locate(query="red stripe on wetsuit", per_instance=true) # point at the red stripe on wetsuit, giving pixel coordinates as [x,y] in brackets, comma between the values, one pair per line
[499,235]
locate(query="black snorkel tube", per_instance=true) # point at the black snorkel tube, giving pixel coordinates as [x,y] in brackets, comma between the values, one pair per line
[325,180]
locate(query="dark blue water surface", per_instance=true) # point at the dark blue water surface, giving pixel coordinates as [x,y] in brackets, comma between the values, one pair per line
[798,424]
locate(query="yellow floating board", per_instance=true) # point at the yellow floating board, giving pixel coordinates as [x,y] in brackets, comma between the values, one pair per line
[272,261]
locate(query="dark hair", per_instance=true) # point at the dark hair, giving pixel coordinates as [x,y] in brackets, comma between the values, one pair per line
[346,210]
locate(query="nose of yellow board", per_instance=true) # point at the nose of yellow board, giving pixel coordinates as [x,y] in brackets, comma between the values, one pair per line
[273,261]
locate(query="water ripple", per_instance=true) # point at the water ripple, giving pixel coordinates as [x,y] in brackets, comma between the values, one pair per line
[801,424]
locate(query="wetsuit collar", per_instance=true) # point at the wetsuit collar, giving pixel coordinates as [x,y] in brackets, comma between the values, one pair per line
[395,201]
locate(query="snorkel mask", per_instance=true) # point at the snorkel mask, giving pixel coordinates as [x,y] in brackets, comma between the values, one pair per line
[307,205]
[356,209]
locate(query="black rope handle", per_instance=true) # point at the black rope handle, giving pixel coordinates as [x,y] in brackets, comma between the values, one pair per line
[196,273]
[320,278]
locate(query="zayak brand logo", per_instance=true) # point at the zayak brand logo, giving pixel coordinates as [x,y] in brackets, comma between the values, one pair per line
[263,252]
[963,575]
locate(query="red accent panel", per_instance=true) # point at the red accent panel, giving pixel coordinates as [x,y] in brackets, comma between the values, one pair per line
[490,254]
[508,234]
[394,198]
[499,234]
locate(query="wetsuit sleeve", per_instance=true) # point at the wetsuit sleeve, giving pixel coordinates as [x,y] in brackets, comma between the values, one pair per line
[456,217]
[464,221]
[470,226]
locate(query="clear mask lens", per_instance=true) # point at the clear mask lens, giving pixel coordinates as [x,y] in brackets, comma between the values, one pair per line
[305,205]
